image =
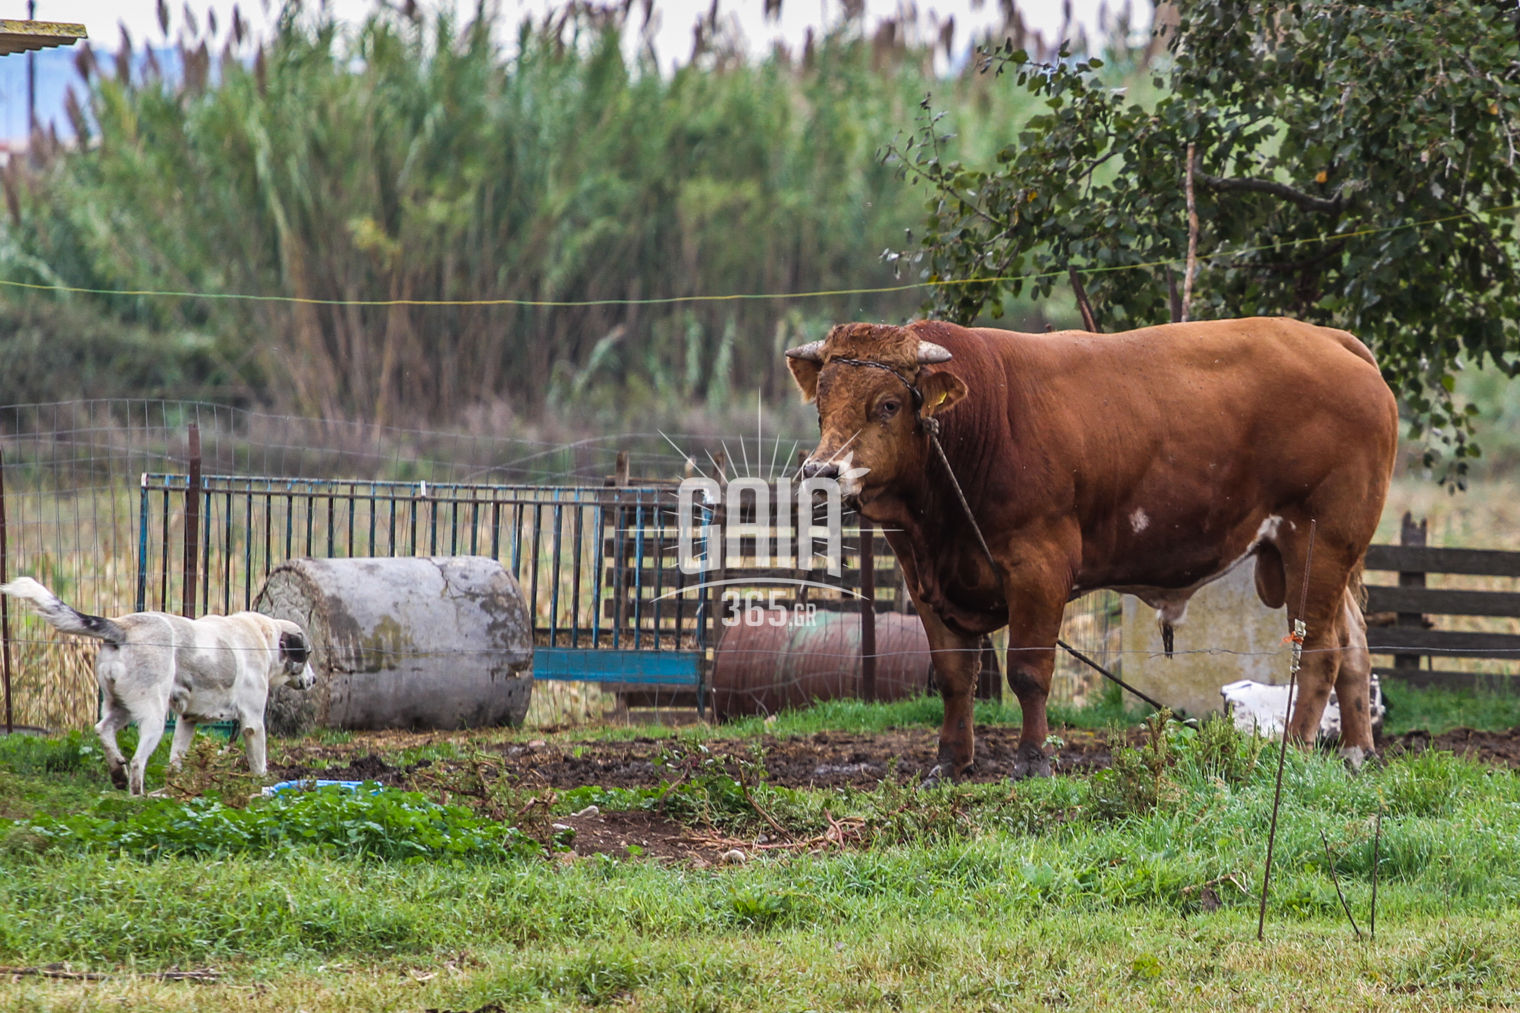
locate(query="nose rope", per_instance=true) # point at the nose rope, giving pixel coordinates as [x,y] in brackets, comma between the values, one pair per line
[931,425]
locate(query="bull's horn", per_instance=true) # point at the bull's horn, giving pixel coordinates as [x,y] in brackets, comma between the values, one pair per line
[929,352]
[812,352]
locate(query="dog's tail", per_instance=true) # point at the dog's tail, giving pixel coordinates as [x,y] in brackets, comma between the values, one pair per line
[62,616]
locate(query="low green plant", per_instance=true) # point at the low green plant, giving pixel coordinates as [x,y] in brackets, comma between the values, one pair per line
[1222,750]
[371,823]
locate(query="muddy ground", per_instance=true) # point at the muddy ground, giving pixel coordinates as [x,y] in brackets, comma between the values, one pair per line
[823,760]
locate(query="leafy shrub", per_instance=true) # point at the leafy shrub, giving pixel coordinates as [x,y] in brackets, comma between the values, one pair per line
[381,824]
[1221,750]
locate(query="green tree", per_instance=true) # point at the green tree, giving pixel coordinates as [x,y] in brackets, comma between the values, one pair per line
[1353,164]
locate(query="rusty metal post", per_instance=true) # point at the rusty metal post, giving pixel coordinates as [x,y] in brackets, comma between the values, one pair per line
[192,522]
[867,610]
[5,612]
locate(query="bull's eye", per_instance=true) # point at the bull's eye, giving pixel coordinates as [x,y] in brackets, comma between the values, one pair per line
[888,408]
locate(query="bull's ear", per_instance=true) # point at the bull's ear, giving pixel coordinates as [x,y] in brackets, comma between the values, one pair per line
[941,390]
[805,372]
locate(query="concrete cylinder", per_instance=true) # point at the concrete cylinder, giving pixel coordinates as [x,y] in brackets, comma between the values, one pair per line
[407,642]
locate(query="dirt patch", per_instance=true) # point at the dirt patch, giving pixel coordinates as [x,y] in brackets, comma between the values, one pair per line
[822,760]
[1496,749]
[640,834]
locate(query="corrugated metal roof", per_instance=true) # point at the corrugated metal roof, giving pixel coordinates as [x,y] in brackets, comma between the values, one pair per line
[21,36]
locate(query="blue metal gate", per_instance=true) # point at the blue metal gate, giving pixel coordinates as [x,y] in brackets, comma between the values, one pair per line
[596,564]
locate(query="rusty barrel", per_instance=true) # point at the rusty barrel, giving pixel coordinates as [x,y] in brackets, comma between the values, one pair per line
[767,666]
[411,642]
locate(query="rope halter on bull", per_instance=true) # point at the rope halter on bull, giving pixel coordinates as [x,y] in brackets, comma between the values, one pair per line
[930,354]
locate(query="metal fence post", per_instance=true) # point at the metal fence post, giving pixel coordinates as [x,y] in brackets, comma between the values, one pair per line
[192,522]
[5,612]
[867,605]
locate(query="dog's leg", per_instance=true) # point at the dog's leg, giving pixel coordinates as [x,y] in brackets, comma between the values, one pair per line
[150,731]
[113,721]
[184,731]
[253,743]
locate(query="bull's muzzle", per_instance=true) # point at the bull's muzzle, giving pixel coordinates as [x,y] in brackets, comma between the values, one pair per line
[819,469]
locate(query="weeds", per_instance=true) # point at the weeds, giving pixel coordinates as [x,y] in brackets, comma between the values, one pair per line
[1141,779]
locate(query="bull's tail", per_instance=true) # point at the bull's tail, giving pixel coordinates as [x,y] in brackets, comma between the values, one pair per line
[64,617]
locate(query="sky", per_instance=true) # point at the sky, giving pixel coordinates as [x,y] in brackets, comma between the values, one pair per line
[673,38]
[102,17]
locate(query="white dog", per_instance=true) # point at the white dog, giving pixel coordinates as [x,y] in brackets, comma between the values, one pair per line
[1261,709]
[214,668]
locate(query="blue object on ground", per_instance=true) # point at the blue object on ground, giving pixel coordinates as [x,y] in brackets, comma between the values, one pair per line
[310,784]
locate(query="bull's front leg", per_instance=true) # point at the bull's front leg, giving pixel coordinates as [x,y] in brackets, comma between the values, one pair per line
[957,663]
[1033,628]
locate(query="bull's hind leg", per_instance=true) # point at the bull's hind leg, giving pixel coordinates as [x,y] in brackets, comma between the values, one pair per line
[1323,598]
[1353,684]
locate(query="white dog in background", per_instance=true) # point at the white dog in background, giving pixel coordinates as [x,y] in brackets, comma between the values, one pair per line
[1261,709]
[214,668]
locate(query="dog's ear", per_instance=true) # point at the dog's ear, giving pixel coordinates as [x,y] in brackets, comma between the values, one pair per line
[294,649]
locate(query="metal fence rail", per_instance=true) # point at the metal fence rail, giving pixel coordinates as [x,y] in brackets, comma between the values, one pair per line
[209,551]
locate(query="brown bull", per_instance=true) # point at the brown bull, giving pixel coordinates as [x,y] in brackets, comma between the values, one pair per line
[1150,462]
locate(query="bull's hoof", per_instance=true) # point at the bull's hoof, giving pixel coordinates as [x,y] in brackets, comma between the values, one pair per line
[1030,761]
[119,777]
[1358,759]
[946,773]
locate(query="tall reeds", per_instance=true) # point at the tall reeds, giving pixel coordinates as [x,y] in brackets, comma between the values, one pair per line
[355,175]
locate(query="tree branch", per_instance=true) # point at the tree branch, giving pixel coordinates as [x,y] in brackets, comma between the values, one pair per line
[1089,319]
[1303,201]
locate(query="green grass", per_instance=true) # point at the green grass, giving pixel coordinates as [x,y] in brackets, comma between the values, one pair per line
[1440,710]
[1136,885]
[1410,708]
[858,717]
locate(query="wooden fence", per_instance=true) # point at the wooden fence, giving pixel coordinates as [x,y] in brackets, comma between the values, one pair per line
[1426,629]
